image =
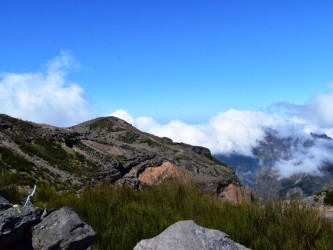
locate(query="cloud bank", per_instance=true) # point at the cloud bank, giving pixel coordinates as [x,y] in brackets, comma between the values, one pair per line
[306,159]
[46,96]
[239,131]
[226,132]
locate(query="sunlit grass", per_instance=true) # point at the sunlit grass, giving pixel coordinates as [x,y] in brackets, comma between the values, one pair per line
[122,217]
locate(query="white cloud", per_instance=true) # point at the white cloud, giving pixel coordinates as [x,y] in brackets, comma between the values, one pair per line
[238,130]
[180,132]
[124,115]
[144,123]
[233,130]
[306,159]
[317,113]
[46,96]
[323,109]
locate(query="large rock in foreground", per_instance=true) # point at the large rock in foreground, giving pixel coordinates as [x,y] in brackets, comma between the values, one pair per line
[187,235]
[31,228]
[62,229]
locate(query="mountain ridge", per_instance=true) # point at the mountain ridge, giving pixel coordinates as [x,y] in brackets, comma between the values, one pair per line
[106,149]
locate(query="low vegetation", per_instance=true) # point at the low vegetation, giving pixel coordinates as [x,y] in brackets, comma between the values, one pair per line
[104,124]
[129,137]
[53,152]
[122,216]
[328,200]
[8,158]
[8,188]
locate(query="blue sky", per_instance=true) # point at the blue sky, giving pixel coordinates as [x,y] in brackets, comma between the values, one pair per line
[211,73]
[176,59]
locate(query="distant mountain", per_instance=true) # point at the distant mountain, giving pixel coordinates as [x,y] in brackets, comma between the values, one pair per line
[260,171]
[105,149]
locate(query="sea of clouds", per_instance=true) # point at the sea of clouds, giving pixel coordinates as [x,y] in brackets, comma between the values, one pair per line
[49,97]
[239,131]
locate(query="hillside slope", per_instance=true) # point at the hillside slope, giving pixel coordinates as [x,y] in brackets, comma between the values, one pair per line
[108,149]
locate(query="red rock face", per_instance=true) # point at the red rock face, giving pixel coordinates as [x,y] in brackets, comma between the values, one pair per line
[167,171]
[236,195]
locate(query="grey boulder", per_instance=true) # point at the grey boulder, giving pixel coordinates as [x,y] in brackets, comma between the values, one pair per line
[187,235]
[62,229]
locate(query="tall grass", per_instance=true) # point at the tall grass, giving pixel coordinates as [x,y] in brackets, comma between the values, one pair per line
[122,217]
[8,187]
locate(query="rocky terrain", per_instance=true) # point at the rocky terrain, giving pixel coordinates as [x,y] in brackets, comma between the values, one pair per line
[108,149]
[25,228]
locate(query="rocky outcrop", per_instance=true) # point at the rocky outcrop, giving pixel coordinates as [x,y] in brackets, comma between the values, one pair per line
[229,190]
[166,171]
[29,228]
[237,195]
[187,235]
